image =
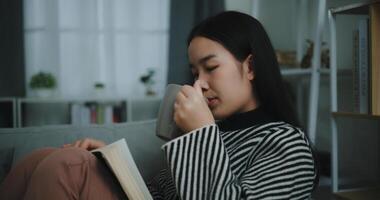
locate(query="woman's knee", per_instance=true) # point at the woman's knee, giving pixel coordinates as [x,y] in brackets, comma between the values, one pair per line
[66,168]
[63,158]
[28,163]
[64,163]
[38,155]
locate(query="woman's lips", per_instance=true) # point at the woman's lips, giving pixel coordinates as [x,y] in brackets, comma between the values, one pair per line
[212,101]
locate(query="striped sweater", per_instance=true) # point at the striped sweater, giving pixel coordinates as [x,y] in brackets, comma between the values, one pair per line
[246,156]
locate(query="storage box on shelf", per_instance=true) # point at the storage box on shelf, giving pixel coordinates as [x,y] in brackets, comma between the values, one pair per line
[363,145]
[8,117]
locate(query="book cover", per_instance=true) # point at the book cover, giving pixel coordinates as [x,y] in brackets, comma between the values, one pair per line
[119,159]
[108,114]
[363,66]
[355,72]
[75,112]
[85,115]
[93,112]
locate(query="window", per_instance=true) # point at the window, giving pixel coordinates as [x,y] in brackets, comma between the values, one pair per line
[87,41]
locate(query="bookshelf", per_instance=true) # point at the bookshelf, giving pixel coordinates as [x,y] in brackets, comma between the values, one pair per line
[52,111]
[81,111]
[308,72]
[351,117]
[356,115]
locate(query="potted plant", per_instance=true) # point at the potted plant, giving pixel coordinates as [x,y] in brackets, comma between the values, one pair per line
[99,89]
[147,80]
[43,84]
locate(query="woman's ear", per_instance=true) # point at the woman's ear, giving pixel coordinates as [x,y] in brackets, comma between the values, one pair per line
[248,67]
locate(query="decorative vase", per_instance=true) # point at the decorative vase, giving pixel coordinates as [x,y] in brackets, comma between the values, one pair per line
[43,92]
[149,91]
[100,92]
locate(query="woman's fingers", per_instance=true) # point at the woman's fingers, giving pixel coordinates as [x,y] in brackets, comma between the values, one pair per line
[77,143]
[188,91]
[67,145]
[87,143]
[190,109]
[180,97]
[198,88]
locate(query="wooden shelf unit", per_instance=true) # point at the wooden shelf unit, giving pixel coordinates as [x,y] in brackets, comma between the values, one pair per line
[372,9]
[356,115]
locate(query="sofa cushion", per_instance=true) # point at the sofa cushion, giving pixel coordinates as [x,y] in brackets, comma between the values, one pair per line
[140,137]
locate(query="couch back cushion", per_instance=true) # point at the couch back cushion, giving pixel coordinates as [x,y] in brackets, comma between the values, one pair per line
[140,137]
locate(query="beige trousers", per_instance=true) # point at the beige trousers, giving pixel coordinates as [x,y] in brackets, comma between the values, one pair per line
[60,173]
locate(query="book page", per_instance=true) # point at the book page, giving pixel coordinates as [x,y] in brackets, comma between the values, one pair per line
[120,160]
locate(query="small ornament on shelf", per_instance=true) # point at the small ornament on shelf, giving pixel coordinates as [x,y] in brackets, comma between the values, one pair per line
[325,55]
[99,89]
[286,58]
[148,81]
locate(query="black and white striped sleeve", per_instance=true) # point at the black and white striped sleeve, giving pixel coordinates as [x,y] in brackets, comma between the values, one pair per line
[201,168]
[280,167]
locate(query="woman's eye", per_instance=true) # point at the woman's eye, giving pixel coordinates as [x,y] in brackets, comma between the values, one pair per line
[209,69]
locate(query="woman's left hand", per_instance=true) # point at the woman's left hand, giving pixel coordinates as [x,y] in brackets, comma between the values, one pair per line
[190,108]
[86,143]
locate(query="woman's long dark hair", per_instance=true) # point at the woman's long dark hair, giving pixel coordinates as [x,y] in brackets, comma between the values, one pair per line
[242,35]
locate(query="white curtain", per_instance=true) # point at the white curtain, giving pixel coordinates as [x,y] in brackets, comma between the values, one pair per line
[82,42]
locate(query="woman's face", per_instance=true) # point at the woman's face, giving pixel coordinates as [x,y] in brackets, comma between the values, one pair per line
[225,81]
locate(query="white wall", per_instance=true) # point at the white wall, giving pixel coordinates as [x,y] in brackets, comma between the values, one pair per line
[239,5]
[278,18]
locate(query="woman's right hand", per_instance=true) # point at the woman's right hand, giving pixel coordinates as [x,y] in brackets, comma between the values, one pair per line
[87,144]
[190,108]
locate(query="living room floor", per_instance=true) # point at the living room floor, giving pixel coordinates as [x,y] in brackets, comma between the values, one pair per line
[324,193]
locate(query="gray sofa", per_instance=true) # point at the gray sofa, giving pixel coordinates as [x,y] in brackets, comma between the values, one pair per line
[140,137]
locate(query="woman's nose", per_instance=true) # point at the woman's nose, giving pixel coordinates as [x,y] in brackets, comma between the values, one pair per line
[204,84]
[203,76]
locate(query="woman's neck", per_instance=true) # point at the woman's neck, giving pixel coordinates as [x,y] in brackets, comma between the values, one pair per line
[247,119]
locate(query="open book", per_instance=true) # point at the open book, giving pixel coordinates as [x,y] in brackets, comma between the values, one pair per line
[120,161]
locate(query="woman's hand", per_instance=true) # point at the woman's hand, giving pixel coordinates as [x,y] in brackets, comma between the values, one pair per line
[190,108]
[87,144]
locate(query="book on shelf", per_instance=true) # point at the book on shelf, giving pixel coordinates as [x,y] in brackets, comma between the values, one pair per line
[355,71]
[93,114]
[99,114]
[375,57]
[96,113]
[75,114]
[108,114]
[119,159]
[118,113]
[84,115]
[361,73]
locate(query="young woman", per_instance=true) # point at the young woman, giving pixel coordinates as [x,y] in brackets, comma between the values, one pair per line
[242,138]
[255,150]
